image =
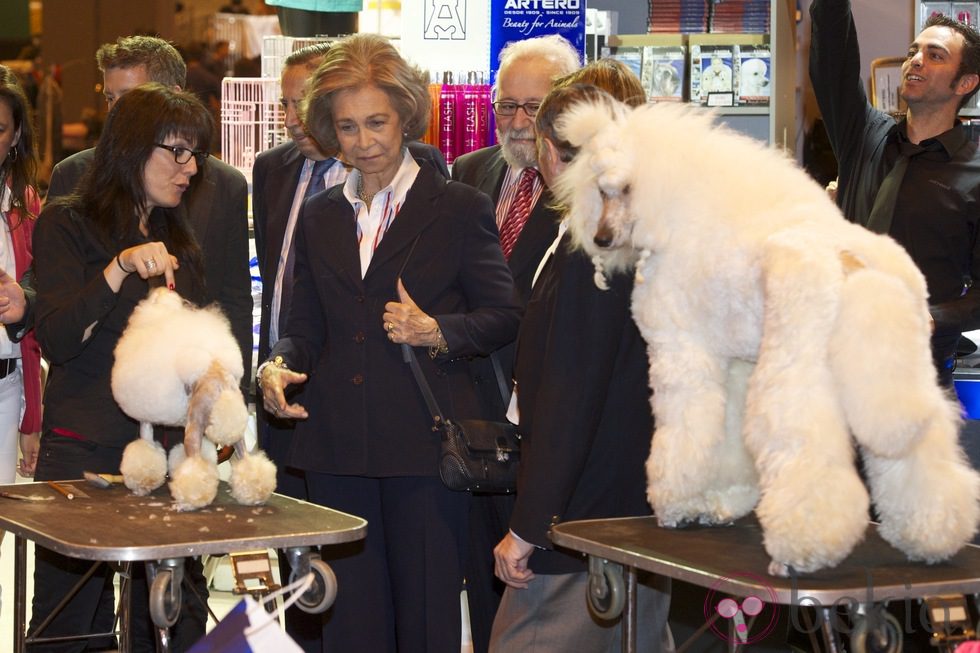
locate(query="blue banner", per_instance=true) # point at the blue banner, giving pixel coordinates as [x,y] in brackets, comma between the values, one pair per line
[516,20]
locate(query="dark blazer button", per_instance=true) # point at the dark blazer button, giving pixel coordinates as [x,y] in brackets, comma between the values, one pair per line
[359,337]
[359,299]
[358,379]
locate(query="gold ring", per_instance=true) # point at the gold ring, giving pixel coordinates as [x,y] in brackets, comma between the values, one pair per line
[389,326]
[391,336]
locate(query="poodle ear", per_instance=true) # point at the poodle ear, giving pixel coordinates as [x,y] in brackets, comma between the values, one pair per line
[583,121]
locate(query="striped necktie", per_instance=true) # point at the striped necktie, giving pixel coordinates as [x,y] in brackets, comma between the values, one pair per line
[518,212]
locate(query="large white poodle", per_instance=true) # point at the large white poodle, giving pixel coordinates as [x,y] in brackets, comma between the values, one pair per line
[178,365]
[776,330]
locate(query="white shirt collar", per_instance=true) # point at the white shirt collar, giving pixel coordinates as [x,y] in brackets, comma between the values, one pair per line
[399,186]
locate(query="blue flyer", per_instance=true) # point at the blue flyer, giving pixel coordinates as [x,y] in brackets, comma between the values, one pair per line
[516,20]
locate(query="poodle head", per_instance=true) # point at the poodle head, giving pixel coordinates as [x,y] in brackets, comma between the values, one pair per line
[596,185]
[754,77]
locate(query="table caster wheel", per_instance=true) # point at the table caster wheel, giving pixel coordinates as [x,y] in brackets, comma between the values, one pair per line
[164,599]
[322,593]
[879,633]
[607,591]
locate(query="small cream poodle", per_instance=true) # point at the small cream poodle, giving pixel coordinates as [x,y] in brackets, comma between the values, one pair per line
[776,331]
[178,365]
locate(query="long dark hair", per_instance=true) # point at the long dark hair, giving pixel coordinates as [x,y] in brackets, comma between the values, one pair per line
[20,166]
[111,193]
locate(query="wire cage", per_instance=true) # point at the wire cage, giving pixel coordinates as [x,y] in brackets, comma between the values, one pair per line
[251,120]
[275,49]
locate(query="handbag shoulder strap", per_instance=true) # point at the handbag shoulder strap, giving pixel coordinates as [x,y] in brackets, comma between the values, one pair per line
[408,355]
[502,384]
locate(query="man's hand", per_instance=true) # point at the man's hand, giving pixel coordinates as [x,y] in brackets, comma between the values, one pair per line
[510,561]
[12,302]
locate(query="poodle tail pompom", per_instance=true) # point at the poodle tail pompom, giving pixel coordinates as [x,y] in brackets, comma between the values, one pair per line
[143,466]
[194,483]
[253,479]
[229,411]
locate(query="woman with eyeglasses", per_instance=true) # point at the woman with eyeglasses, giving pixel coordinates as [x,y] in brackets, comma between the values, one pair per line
[98,252]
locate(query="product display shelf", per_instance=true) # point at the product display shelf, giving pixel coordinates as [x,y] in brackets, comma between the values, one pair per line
[775,123]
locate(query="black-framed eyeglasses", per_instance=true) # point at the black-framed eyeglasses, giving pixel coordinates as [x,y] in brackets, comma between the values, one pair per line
[506,108]
[182,155]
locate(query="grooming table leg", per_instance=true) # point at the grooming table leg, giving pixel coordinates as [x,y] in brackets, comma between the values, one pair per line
[629,612]
[20,593]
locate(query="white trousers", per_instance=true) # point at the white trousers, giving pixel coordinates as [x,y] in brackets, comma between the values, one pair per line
[11,393]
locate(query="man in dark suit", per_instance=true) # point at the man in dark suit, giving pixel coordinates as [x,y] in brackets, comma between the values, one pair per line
[217,209]
[527,69]
[283,178]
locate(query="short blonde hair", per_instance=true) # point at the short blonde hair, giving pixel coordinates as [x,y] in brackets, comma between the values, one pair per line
[366,60]
[590,83]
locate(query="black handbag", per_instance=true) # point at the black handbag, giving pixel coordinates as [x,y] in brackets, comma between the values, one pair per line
[477,455]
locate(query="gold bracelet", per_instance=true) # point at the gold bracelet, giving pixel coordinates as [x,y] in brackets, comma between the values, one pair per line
[275,362]
[441,346]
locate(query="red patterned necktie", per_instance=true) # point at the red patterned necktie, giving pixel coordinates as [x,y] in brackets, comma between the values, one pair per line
[518,212]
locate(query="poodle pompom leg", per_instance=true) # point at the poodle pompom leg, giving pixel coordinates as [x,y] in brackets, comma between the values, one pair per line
[143,466]
[886,412]
[253,478]
[928,501]
[814,508]
[689,438]
[194,483]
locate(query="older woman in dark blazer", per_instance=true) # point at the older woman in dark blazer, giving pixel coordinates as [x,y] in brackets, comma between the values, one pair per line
[396,255]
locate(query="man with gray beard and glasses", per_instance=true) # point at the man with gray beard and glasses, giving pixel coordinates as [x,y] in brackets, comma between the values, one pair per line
[527,224]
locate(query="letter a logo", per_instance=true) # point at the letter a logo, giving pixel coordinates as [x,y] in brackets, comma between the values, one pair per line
[445,20]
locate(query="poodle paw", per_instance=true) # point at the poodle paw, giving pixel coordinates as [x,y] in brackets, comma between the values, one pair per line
[778,569]
[143,466]
[253,479]
[194,483]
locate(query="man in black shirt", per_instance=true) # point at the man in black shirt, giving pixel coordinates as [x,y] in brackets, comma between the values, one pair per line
[925,158]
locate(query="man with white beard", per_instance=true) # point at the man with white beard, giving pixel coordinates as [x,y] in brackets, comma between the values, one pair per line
[508,173]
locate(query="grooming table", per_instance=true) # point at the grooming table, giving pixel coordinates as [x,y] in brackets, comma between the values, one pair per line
[731,562]
[115,525]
